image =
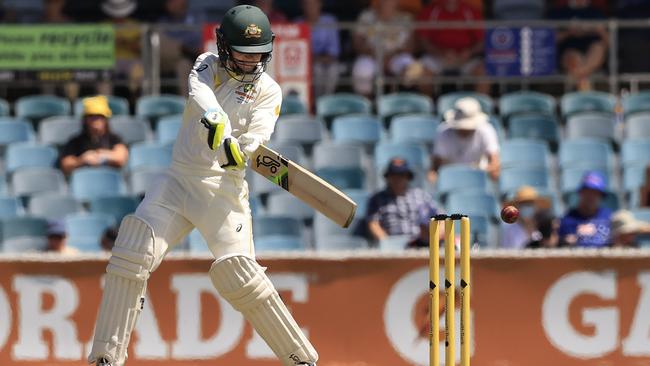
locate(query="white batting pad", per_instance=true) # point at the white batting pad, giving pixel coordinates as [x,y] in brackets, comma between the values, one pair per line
[133,258]
[243,283]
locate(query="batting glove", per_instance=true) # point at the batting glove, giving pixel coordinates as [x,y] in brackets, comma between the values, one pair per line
[231,154]
[218,125]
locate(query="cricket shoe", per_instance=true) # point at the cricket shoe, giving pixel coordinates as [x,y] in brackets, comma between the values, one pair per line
[103,362]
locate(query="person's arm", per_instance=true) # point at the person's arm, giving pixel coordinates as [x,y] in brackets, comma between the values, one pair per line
[491,141]
[70,163]
[494,165]
[201,79]
[117,156]
[378,233]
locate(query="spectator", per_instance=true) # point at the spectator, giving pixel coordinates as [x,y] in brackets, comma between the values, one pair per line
[626,229]
[325,47]
[644,190]
[546,235]
[452,51]
[582,49]
[424,219]
[396,210]
[107,240]
[53,12]
[520,233]
[57,239]
[274,14]
[466,137]
[395,40]
[95,145]
[588,224]
[181,44]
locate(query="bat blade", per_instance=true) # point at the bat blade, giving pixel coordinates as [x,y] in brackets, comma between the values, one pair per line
[305,185]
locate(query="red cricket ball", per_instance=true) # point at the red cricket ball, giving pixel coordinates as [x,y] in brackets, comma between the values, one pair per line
[509,214]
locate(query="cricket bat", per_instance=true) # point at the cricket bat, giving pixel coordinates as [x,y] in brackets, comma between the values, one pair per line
[305,185]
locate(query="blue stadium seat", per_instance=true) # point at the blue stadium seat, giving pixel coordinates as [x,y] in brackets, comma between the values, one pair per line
[524,152]
[635,152]
[330,154]
[291,104]
[15,131]
[29,181]
[390,105]
[58,130]
[274,225]
[330,106]
[23,234]
[93,182]
[282,203]
[340,242]
[360,197]
[325,228]
[299,128]
[535,126]
[168,127]
[53,205]
[414,128]
[518,10]
[416,155]
[579,102]
[446,101]
[343,178]
[513,178]
[4,107]
[457,177]
[85,230]
[473,203]
[9,207]
[358,128]
[196,242]
[581,152]
[142,178]
[119,106]
[483,231]
[22,155]
[279,243]
[153,107]
[117,206]
[637,126]
[37,107]
[591,125]
[642,213]
[149,155]
[394,243]
[633,177]
[526,102]
[129,129]
[636,103]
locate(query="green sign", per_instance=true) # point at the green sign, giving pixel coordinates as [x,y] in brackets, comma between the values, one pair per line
[57,47]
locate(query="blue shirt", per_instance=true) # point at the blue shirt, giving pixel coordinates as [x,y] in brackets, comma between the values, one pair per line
[400,215]
[590,232]
[324,40]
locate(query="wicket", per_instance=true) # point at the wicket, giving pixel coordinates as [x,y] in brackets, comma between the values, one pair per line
[450,294]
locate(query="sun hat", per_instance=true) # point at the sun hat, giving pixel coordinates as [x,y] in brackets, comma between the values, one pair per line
[119,8]
[466,114]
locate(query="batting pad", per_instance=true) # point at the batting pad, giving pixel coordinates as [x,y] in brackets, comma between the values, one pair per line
[133,259]
[243,283]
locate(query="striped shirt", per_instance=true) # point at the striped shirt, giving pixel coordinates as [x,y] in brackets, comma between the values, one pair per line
[399,215]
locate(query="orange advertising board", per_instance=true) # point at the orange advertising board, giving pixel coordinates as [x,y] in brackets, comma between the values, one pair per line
[361,310]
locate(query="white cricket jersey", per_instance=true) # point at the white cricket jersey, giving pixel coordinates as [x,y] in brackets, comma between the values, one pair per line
[252,108]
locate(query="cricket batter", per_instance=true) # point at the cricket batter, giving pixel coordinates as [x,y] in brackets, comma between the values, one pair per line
[232,108]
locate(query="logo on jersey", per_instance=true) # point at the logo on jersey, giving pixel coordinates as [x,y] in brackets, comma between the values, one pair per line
[246,93]
[253,31]
[238,229]
[201,68]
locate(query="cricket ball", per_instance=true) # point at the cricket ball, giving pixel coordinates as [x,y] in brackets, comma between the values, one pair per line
[509,214]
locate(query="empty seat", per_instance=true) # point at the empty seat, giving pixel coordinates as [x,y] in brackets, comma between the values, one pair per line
[535,126]
[360,197]
[637,126]
[518,10]
[578,102]
[282,203]
[277,225]
[633,177]
[585,152]
[85,230]
[23,234]
[129,129]
[9,207]
[447,101]
[635,152]
[291,104]
[473,203]
[329,154]
[4,108]
[116,207]
[301,129]
[330,106]
[515,177]
[58,130]
[94,182]
[324,227]
[636,103]
[119,106]
[454,177]
[149,155]
[53,205]
[340,242]
[482,231]
[15,131]
[358,128]
[279,243]
[415,155]
[414,128]
[142,178]
[394,243]
[167,128]
[394,104]
[591,125]
[30,155]
[152,107]
[29,181]
[642,214]
[526,102]
[524,152]
[343,178]
[37,107]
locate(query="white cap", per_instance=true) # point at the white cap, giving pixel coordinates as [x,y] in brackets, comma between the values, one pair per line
[466,114]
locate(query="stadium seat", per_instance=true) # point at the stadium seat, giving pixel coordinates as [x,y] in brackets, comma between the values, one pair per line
[94,182]
[394,243]
[291,104]
[637,126]
[129,129]
[591,125]
[636,103]
[273,225]
[282,203]
[473,203]
[23,234]
[37,107]
[330,106]
[633,177]
[518,10]
[483,232]
[196,242]
[390,105]
[4,108]
[22,155]
[358,128]
[446,101]
[300,128]
[535,126]
[53,205]
[329,154]
[635,152]
[85,230]
[167,128]
[153,107]
[415,155]
[119,106]
[58,130]
[117,207]
[9,207]
[29,181]
[343,178]
[579,102]
[526,102]
[142,178]
[325,228]
[524,152]
[458,177]
[149,155]
[279,243]
[15,131]
[340,242]
[513,178]
[585,152]
[642,214]
[360,197]
[414,128]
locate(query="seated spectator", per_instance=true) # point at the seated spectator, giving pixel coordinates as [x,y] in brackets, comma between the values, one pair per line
[325,47]
[395,39]
[424,220]
[582,49]
[451,51]
[520,233]
[396,210]
[644,191]
[626,229]
[546,235]
[95,145]
[588,224]
[57,237]
[466,137]
[107,240]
